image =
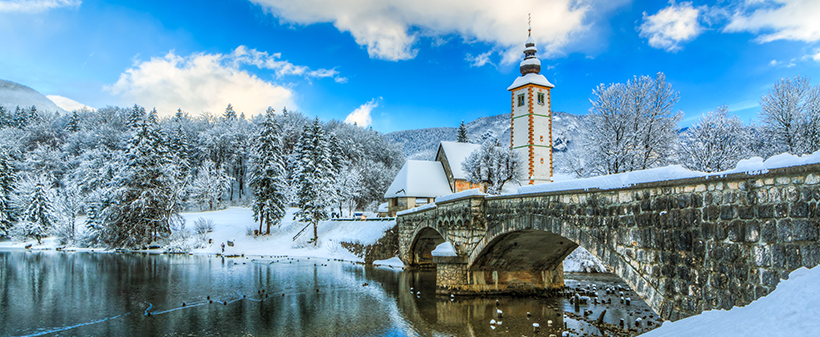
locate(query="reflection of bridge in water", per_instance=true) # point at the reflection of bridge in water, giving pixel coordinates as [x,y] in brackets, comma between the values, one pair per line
[684,246]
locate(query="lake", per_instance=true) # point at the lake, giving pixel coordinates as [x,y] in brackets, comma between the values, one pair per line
[107,294]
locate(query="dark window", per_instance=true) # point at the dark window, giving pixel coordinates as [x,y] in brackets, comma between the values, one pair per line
[521,100]
[541,98]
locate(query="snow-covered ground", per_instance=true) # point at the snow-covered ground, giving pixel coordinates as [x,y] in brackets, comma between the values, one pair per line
[233,223]
[582,261]
[791,310]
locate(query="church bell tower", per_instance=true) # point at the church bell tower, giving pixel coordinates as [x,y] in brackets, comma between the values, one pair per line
[531,117]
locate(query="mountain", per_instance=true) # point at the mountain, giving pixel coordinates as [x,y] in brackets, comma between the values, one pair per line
[13,95]
[423,143]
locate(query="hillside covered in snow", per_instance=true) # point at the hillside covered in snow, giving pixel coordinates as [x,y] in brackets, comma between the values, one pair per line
[14,94]
[422,144]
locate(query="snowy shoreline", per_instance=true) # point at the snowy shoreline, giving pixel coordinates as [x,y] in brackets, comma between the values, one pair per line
[233,223]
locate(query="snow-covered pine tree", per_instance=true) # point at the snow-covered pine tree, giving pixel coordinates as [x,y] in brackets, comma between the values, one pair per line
[39,216]
[493,165]
[462,134]
[145,198]
[229,114]
[180,149]
[268,177]
[94,229]
[715,143]
[73,122]
[314,176]
[136,116]
[6,189]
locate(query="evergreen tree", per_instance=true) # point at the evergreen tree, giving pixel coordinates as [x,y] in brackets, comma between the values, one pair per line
[462,134]
[74,122]
[145,199]
[269,176]
[6,188]
[5,119]
[135,116]
[229,114]
[39,216]
[180,149]
[314,176]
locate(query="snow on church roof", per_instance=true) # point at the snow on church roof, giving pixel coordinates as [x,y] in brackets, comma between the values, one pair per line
[456,154]
[530,78]
[419,178]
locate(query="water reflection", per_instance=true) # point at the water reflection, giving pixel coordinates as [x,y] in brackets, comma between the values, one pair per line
[133,294]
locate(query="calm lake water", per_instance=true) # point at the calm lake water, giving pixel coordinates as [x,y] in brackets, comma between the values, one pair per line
[68,294]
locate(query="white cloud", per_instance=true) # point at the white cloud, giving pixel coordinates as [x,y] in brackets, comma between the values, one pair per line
[816,56]
[68,104]
[795,20]
[361,116]
[35,6]
[774,63]
[208,82]
[389,29]
[262,60]
[671,26]
[479,60]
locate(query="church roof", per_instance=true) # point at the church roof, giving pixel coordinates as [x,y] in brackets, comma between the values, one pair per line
[530,78]
[419,178]
[456,153]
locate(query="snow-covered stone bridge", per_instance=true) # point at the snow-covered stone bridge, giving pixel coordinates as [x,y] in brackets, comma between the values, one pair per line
[684,245]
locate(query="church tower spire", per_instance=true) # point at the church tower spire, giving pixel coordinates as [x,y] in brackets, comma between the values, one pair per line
[531,116]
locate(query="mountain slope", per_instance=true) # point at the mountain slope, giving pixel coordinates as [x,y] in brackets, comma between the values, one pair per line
[423,143]
[13,95]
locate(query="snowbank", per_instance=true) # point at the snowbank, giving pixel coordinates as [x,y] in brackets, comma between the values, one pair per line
[467,193]
[444,249]
[755,165]
[790,310]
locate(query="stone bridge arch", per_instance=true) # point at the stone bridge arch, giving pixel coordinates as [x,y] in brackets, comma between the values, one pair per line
[425,239]
[527,252]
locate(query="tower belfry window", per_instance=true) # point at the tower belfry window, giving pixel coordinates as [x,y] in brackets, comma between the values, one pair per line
[541,98]
[521,100]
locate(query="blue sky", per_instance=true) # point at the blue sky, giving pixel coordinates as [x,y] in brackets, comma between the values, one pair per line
[397,65]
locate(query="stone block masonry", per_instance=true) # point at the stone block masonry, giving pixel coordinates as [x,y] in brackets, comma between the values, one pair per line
[685,245]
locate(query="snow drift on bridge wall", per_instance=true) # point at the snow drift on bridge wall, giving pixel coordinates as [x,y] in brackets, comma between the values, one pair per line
[754,165]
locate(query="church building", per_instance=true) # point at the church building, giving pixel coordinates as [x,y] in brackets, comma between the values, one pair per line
[419,182]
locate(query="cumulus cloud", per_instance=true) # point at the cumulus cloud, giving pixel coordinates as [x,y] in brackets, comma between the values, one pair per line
[68,104]
[361,116]
[479,60]
[795,20]
[35,6]
[671,26]
[208,82]
[390,29]
[816,55]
